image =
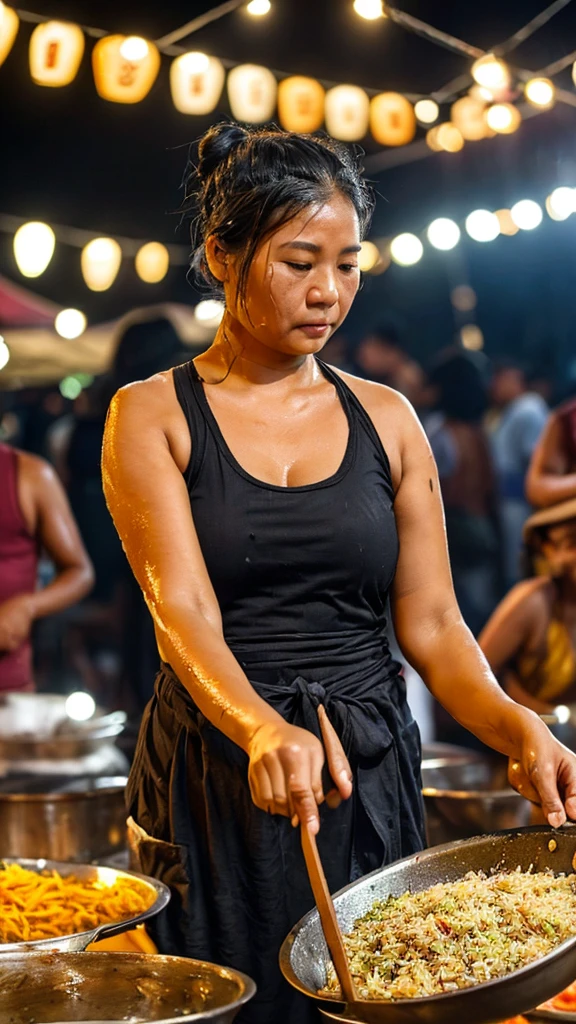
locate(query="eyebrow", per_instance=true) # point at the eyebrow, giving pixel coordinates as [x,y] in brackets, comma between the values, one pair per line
[311,247]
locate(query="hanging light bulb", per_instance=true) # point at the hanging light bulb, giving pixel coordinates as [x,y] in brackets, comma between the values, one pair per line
[134,49]
[482,226]
[490,72]
[56,49]
[152,262]
[70,323]
[526,214]
[503,118]
[427,111]
[9,24]
[369,9]
[406,249]
[100,263]
[540,92]
[196,83]
[258,8]
[33,248]
[443,233]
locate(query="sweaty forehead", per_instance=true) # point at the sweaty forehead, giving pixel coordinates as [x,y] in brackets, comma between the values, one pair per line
[320,223]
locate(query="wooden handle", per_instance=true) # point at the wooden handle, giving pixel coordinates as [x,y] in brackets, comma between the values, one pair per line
[328,918]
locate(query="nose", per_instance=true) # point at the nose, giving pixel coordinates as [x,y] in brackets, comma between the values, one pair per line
[323,290]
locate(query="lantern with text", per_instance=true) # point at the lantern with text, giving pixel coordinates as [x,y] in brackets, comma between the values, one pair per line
[392,119]
[56,49]
[347,113]
[152,262]
[9,24]
[124,75]
[196,83]
[100,263]
[468,116]
[300,104]
[252,93]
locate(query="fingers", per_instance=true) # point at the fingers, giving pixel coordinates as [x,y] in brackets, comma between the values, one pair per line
[338,766]
[300,788]
[567,777]
[543,775]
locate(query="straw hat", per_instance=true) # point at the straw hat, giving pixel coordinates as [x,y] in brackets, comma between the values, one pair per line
[548,517]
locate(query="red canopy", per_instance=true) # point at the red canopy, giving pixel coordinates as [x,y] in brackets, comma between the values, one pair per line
[21,308]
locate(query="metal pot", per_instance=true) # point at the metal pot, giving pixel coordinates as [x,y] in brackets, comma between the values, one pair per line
[116,987]
[36,727]
[62,818]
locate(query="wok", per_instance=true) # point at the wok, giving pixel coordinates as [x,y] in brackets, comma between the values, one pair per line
[79,940]
[304,955]
[58,988]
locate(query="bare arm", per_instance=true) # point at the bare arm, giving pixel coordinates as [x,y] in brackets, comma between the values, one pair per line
[548,480]
[516,619]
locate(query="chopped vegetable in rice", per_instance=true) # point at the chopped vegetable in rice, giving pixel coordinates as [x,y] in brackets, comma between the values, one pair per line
[458,934]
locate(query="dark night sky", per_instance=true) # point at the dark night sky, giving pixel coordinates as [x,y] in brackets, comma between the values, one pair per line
[69,157]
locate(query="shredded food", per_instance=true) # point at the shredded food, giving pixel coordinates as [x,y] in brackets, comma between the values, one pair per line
[458,934]
[49,905]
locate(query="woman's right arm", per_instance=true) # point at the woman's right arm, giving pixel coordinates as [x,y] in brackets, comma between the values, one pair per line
[149,503]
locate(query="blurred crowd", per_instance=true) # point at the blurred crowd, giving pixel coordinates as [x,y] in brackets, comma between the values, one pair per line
[504,440]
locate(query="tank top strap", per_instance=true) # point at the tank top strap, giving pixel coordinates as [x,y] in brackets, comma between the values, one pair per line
[357,412]
[187,384]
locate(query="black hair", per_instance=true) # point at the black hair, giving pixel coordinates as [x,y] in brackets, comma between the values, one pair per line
[146,348]
[462,391]
[250,181]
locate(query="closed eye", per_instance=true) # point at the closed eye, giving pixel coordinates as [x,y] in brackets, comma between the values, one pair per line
[347,267]
[299,266]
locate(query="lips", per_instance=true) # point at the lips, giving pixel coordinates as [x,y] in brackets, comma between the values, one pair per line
[315,330]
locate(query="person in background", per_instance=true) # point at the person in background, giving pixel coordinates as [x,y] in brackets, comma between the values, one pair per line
[552,472]
[530,641]
[514,435]
[381,357]
[34,514]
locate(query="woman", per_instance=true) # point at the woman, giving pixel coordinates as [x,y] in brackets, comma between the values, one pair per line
[268,504]
[530,641]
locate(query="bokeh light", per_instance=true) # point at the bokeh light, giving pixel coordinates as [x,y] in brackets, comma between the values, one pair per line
[134,49]
[526,214]
[368,256]
[34,244]
[482,226]
[70,323]
[449,137]
[490,72]
[507,225]
[70,388]
[540,92]
[369,9]
[561,203]
[503,118]
[406,249]
[426,111]
[463,298]
[258,8]
[443,233]
[209,312]
[471,337]
[4,353]
[80,706]
[194,62]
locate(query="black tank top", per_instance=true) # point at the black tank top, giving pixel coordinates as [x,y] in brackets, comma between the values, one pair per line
[305,570]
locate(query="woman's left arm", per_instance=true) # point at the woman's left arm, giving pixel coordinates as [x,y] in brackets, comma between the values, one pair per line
[436,641]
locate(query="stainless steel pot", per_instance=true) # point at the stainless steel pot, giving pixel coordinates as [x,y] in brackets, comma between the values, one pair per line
[36,727]
[118,987]
[62,818]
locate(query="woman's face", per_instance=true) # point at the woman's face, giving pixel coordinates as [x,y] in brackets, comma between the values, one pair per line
[559,547]
[302,280]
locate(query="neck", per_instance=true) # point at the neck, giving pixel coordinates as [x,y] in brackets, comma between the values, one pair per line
[236,355]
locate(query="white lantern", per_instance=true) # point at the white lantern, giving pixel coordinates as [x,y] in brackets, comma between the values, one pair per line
[468,116]
[252,93]
[100,262]
[119,79]
[300,104]
[9,24]
[347,113]
[152,262]
[56,49]
[33,248]
[196,83]
[392,119]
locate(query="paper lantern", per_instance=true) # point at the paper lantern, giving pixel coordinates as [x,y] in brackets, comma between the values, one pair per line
[56,49]
[100,262]
[392,119]
[118,79]
[252,93]
[468,116]
[347,113]
[33,248]
[196,83]
[9,24]
[152,262]
[300,104]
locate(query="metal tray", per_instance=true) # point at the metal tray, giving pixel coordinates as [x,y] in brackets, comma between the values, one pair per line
[79,940]
[304,955]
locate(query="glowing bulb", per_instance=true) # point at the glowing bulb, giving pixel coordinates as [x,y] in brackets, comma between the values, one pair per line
[70,388]
[463,298]
[482,226]
[4,353]
[134,48]
[258,8]
[526,214]
[426,111]
[504,118]
[80,706]
[33,248]
[369,9]
[100,262]
[443,233]
[152,262]
[406,249]
[563,714]
[561,203]
[368,256]
[209,312]
[471,337]
[70,323]
[540,92]
[432,139]
[195,63]
[490,72]
[449,137]
[507,225]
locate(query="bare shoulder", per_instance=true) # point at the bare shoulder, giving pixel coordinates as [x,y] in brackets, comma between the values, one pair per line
[149,397]
[145,409]
[532,596]
[34,470]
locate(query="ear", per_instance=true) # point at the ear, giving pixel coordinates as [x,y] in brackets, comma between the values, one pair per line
[216,258]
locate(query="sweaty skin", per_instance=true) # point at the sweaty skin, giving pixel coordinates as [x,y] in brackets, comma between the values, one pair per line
[285,425]
[551,477]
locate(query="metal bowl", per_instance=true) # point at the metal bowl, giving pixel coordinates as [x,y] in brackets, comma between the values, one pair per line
[304,957]
[58,988]
[467,799]
[36,726]
[89,872]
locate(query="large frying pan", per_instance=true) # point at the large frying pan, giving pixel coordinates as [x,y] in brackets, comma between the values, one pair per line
[304,955]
